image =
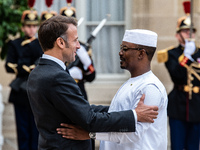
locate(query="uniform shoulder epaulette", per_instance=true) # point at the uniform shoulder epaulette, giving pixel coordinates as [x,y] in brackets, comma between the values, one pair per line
[12,37]
[162,55]
[198,46]
[27,41]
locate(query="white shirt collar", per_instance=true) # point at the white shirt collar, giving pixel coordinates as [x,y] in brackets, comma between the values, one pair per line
[58,61]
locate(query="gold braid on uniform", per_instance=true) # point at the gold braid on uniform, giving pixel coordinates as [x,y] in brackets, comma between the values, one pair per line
[192,69]
[28,69]
[27,41]
[162,55]
[13,67]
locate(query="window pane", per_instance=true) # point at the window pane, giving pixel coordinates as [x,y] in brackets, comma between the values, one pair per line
[106,45]
[97,10]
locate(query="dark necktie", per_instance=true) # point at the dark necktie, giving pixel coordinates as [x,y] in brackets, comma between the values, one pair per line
[67,71]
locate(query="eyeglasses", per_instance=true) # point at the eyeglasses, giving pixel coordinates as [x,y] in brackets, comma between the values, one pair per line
[125,48]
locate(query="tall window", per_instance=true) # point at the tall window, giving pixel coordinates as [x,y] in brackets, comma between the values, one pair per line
[106,45]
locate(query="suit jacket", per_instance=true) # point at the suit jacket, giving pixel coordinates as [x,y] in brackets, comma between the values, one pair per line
[56,98]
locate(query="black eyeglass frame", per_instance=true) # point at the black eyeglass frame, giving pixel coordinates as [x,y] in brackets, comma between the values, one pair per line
[124,48]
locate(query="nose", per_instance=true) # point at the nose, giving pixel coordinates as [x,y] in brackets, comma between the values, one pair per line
[78,45]
[188,31]
[120,52]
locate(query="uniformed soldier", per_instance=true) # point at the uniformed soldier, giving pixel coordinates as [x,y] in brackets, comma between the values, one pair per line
[22,57]
[184,99]
[82,69]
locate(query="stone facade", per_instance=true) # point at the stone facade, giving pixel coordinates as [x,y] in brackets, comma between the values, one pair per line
[156,15]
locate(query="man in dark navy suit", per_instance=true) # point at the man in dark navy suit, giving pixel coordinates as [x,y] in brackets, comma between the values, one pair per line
[55,97]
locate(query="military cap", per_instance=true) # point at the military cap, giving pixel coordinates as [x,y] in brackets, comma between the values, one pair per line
[46,15]
[68,11]
[184,23]
[30,17]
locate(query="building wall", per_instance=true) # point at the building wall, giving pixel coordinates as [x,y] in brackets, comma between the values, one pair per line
[161,17]
[157,15]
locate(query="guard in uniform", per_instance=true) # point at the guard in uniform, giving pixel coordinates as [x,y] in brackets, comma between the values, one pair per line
[82,69]
[182,63]
[22,57]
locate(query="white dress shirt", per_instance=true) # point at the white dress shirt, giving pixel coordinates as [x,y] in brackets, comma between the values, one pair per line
[148,136]
[58,61]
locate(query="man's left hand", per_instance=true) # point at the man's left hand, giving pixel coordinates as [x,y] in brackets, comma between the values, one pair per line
[73,132]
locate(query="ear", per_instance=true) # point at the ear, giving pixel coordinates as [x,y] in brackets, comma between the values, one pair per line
[177,35]
[141,54]
[60,42]
[180,38]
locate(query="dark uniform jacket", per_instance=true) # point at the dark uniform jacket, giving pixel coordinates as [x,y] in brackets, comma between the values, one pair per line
[56,98]
[179,105]
[17,57]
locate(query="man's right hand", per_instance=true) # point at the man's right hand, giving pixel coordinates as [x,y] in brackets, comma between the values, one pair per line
[146,113]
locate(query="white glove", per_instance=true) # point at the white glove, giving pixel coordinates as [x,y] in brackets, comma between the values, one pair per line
[189,49]
[84,57]
[76,73]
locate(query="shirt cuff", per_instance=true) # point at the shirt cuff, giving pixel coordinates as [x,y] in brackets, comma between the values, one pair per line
[135,116]
[189,57]
[102,136]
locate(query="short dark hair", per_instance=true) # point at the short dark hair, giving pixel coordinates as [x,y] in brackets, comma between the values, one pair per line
[149,50]
[53,28]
